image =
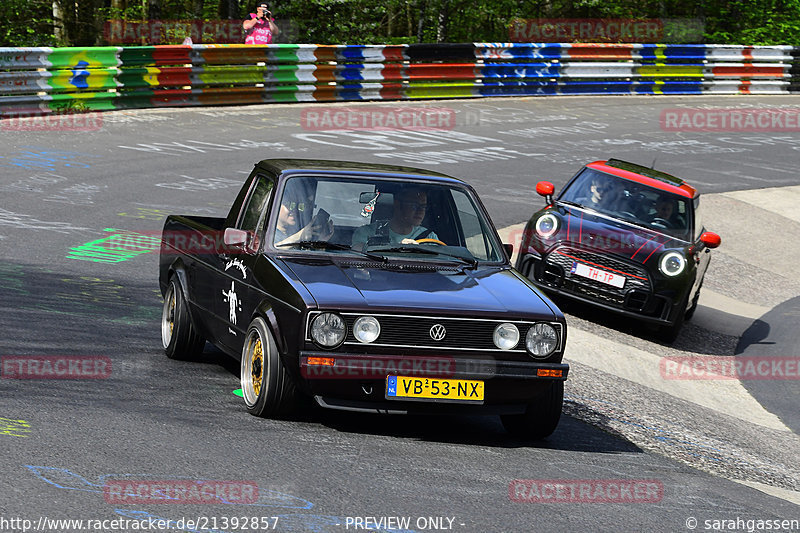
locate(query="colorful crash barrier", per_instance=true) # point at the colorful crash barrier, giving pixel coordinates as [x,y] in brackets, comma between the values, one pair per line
[47,80]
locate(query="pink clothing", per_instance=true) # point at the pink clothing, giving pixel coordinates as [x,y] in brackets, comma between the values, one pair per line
[261,33]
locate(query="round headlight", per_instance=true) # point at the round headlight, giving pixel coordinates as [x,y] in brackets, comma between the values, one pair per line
[366,329]
[506,336]
[541,340]
[672,264]
[547,225]
[328,330]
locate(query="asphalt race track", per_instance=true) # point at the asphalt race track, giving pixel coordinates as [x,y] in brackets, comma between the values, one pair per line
[714,451]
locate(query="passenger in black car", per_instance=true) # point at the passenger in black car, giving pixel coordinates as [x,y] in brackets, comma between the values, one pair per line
[295,210]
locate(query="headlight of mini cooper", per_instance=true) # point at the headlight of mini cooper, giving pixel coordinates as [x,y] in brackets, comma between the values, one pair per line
[328,329]
[547,225]
[366,329]
[506,336]
[541,340]
[672,264]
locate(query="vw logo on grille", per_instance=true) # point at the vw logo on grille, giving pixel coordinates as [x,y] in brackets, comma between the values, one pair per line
[437,332]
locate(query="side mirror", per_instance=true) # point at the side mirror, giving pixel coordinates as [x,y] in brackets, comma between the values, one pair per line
[545,188]
[509,248]
[710,239]
[235,237]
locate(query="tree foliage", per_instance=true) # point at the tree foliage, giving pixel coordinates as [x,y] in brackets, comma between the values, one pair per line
[80,22]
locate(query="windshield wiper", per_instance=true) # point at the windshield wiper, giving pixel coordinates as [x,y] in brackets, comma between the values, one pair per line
[325,245]
[419,250]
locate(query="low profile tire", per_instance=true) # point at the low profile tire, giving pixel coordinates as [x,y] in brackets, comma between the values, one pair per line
[178,336]
[540,418]
[267,388]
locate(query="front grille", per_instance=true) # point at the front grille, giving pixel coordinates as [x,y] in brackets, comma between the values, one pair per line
[636,277]
[413,331]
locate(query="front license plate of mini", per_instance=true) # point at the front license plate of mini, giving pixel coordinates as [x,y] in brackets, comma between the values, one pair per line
[586,271]
[430,389]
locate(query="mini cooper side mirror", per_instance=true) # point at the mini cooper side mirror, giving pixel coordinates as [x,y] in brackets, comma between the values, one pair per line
[545,188]
[710,239]
[509,248]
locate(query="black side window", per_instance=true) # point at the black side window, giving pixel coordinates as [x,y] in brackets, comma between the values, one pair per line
[254,216]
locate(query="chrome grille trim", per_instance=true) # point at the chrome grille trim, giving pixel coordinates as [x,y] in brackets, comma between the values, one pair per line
[395,326]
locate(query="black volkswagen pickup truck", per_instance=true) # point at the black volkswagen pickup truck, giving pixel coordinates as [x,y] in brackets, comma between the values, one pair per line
[366,287]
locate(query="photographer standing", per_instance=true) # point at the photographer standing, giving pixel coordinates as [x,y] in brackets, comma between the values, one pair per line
[260,28]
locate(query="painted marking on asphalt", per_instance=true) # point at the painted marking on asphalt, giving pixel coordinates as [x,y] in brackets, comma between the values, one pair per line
[239,393]
[119,246]
[14,428]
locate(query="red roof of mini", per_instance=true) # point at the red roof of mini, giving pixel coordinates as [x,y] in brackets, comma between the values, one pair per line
[683,190]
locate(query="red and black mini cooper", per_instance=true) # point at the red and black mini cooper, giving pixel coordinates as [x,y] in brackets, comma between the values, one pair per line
[622,237]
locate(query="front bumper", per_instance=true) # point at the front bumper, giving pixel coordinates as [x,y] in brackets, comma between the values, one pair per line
[641,303]
[358,381]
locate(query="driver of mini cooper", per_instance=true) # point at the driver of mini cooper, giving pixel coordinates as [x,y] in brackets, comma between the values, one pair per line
[405,226]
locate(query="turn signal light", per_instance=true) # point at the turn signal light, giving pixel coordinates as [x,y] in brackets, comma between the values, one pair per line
[548,373]
[322,361]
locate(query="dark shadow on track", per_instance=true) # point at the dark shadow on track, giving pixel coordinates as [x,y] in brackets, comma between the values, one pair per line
[570,435]
[776,335]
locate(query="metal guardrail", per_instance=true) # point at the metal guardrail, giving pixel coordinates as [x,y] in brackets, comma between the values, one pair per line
[47,80]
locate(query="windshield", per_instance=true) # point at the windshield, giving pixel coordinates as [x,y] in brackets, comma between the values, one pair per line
[631,201]
[383,218]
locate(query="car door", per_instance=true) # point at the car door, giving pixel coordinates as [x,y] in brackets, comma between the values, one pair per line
[235,286]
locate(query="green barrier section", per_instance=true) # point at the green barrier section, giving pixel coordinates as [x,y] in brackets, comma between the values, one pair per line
[82,102]
[670,71]
[218,75]
[142,77]
[87,58]
[441,90]
[137,55]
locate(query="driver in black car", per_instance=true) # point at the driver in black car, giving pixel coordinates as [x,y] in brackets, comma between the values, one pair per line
[405,226]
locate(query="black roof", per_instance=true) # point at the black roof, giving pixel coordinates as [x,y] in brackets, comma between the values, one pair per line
[282,166]
[645,171]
